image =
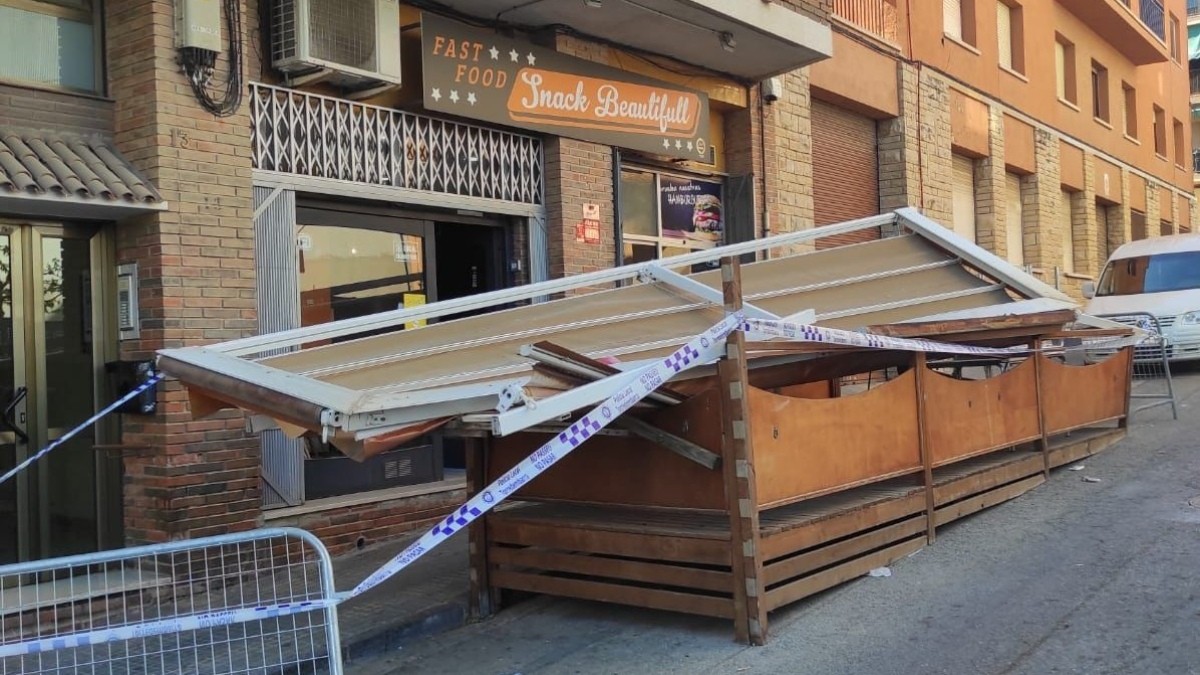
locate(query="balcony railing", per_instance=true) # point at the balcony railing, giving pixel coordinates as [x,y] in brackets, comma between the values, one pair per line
[1152,15]
[877,17]
[1195,80]
[322,137]
[1193,8]
[1196,161]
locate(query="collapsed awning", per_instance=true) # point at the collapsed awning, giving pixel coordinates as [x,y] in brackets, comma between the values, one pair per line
[377,389]
[68,175]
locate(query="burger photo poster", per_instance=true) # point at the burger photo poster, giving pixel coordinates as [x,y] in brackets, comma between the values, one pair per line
[692,210]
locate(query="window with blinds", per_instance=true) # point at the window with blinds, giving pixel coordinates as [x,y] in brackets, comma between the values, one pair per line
[1064,66]
[1130,96]
[963,197]
[952,18]
[1068,231]
[1004,33]
[1014,237]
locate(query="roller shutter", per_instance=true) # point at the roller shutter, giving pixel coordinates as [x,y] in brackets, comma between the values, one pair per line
[845,170]
[963,197]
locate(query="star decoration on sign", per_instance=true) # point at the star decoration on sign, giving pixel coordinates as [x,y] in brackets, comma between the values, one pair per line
[689,145]
[667,143]
[495,53]
[454,95]
[531,58]
[471,97]
[514,56]
[678,143]
[436,94]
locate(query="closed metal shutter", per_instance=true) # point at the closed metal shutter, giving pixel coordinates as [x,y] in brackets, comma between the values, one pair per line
[845,170]
[963,198]
[1014,220]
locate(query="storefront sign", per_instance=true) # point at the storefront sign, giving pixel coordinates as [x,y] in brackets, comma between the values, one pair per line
[476,73]
[691,209]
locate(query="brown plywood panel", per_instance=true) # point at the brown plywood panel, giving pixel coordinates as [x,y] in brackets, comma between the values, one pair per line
[1108,181]
[1076,396]
[627,470]
[968,124]
[806,447]
[1070,160]
[1018,146]
[967,418]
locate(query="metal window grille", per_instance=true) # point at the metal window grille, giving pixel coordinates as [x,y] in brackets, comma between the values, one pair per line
[323,137]
[62,597]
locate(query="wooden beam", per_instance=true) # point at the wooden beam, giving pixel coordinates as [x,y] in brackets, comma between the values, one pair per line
[741,499]
[680,446]
[921,372]
[481,600]
[1058,317]
[1044,440]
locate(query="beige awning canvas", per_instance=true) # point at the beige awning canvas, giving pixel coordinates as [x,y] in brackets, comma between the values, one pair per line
[372,388]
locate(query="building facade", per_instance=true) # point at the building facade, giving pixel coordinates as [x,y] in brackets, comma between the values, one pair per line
[158,191]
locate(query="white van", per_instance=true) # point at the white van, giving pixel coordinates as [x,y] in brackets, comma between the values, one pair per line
[1160,277]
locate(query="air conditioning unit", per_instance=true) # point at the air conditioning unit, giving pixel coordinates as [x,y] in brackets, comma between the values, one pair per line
[355,42]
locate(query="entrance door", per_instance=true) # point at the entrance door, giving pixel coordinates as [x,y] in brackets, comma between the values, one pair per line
[47,386]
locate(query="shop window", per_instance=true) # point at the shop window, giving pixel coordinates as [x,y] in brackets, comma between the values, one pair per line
[1129,94]
[1011,35]
[1064,61]
[50,43]
[958,20]
[664,214]
[1160,132]
[1100,92]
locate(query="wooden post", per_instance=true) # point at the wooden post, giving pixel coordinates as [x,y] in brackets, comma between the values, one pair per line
[920,372]
[1043,438]
[749,590]
[1132,352]
[480,599]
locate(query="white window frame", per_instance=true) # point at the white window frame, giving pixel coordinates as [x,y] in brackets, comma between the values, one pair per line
[82,11]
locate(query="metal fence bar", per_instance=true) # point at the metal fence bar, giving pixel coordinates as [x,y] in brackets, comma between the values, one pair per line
[1152,379]
[261,601]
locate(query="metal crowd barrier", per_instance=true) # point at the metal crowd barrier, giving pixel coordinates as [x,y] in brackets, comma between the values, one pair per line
[1152,385]
[201,606]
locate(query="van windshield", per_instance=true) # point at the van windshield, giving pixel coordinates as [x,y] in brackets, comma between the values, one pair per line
[1151,274]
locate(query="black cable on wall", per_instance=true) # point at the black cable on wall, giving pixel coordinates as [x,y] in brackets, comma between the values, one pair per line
[200,64]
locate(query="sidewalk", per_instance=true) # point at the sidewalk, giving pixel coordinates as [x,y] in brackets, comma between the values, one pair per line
[426,598]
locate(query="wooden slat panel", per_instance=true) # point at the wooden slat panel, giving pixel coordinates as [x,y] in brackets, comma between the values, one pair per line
[847,548]
[1005,468]
[805,447]
[969,417]
[1076,396]
[632,570]
[966,507]
[632,471]
[624,595]
[1084,444]
[679,549]
[829,578]
[777,543]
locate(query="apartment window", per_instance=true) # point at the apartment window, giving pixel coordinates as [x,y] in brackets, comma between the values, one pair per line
[958,20]
[1064,61]
[1177,128]
[1099,92]
[50,43]
[1011,35]
[1160,132]
[1174,39]
[1129,94]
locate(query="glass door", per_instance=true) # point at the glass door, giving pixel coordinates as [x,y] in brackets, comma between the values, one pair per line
[48,384]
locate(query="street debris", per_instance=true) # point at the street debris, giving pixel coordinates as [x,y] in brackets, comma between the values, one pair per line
[1077,467]
[1091,479]
[881,572]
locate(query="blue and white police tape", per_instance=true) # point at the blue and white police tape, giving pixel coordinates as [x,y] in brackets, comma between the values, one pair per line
[90,421]
[701,349]
[162,627]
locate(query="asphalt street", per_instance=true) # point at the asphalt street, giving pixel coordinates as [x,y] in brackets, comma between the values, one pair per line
[1073,577]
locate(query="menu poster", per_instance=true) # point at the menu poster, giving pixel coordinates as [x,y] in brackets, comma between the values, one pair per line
[691,209]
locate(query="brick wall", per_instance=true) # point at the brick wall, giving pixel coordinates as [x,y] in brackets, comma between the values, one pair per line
[55,111]
[1040,196]
[991,194]
[196,278]
[578,173]
[936,162]
[899,147]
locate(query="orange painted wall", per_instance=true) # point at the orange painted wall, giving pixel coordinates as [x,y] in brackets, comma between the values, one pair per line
[1018,146]
[968,124]
[860,79]
[1070,163]
[1108,181]
[1137,193]
[1035,95]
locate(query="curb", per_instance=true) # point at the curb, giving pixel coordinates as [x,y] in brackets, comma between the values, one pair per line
[392,637]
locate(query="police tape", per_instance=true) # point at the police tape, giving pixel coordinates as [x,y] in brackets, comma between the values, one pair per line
[702,349]
[846,338]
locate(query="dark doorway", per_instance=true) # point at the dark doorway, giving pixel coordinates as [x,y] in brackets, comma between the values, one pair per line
[470,260]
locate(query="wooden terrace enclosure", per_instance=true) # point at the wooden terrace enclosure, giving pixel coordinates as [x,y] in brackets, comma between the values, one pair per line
[783,469]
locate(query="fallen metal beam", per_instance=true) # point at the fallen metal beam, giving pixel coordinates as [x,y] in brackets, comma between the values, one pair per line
[680,446]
